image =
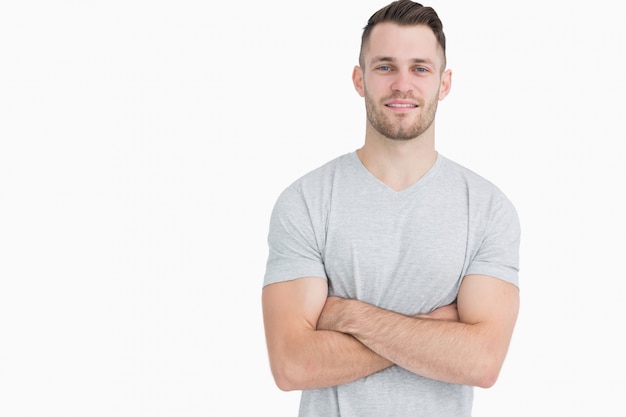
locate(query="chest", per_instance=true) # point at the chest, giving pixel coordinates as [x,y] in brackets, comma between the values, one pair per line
[407,255]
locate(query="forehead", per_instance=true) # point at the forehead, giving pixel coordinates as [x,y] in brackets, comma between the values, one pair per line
[403,43]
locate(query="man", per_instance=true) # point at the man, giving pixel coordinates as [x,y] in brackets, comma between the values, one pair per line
[391,286]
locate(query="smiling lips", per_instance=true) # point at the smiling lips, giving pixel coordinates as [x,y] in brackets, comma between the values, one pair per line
[401,105]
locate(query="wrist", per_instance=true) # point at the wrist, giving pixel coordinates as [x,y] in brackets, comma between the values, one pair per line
[348,315]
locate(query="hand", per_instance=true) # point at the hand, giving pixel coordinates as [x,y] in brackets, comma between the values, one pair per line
[448,312]
[330,315]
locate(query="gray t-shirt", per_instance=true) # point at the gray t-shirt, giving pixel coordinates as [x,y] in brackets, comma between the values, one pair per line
[405,251]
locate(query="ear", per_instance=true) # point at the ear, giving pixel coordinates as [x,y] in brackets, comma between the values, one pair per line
[446,84]
[357,80]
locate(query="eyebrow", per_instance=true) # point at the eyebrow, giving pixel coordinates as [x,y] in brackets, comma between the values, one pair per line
[390,59]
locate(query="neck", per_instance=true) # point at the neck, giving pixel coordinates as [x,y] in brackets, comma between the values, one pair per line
[398,163]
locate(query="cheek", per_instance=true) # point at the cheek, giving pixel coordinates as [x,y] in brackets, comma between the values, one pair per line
[434,91]
[375,89]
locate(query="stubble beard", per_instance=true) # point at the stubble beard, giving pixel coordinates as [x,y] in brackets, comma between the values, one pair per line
[396,129]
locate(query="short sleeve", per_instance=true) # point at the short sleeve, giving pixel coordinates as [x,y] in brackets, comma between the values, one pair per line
[498,253]
[293,247]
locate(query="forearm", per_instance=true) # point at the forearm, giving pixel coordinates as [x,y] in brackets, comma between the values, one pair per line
[323,358]
[303,356]
[445,350]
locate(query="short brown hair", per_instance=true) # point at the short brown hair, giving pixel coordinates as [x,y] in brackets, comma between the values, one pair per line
[405,13]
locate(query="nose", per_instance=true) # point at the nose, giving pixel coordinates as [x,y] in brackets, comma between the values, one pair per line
[402,82]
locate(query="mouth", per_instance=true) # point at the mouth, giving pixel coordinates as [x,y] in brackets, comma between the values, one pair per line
[401,105]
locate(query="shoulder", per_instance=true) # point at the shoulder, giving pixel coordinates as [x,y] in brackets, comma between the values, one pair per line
[475,183]
[484,198]
[319,179]
[468,175]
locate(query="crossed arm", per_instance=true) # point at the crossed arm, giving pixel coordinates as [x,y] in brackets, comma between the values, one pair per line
[316,341]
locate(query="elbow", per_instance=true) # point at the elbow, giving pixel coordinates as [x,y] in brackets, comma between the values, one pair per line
[486,375]
[486,380]
[487,365]
[284,382]
[289,376]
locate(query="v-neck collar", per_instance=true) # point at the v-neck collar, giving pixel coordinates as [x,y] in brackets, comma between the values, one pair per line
[424,179]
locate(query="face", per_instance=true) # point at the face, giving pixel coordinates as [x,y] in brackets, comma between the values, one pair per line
[402,80]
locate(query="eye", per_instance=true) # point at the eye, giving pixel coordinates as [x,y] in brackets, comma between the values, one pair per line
[421,70]
[384,68]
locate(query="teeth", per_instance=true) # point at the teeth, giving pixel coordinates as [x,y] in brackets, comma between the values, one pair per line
[402,105]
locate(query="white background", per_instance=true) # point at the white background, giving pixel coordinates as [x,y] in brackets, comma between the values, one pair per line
[143,144]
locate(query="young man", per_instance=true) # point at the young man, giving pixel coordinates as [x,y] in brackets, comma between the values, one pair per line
[391,286]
